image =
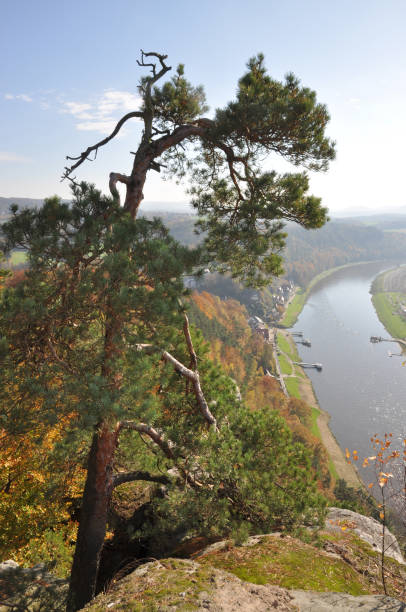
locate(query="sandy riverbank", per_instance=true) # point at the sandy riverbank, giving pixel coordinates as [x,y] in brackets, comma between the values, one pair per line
[344,470]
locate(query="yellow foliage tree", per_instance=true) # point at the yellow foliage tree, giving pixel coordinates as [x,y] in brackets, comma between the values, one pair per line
[36,492]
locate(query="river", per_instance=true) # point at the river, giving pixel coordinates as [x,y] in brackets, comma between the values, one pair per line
[360,386]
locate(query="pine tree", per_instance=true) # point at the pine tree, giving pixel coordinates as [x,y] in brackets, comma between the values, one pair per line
[241,206]
[101,288]
[87,331]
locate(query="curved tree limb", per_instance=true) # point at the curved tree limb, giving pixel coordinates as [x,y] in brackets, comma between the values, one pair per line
[166,447]
[85,155]
[123,477]
[114,178]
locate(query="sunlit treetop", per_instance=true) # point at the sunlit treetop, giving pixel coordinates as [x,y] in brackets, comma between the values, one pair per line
[241,203]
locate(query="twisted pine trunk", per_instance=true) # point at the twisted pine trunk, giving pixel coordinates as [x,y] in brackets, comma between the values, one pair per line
[98,486]
[92,526]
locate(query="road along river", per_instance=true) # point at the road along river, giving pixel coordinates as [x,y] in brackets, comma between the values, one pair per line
[360,386]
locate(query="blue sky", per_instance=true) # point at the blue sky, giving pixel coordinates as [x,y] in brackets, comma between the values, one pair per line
[69,71]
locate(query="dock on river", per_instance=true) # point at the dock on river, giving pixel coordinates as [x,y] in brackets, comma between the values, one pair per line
[317,366]
[305,342]
[375,339]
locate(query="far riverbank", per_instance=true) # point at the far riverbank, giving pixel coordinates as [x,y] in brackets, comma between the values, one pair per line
[389,299]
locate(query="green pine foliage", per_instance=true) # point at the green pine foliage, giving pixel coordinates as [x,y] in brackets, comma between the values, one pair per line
[243,213]
[91,334]
[177,101]
[253,476]
[54,322]
[91,266]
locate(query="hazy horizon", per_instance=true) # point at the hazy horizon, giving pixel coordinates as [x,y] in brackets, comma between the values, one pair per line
[186,208]
[63,88]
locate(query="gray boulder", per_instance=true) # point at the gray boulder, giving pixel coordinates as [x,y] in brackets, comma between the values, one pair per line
[310,601]
[366,528]
[8,566]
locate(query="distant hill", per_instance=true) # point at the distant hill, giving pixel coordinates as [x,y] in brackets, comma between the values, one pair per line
[166,207]
[147,208]
[386,221]
[307,252]
[5,204]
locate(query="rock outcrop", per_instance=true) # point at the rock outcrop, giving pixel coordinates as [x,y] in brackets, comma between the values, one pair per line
[181,584]
[366,528]
[30,589]
[309,601]
[174,584]
[339,569]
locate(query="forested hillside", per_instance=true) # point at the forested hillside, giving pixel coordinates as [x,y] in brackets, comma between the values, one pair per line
[389,299]
[243,355]
[5,204]
[308,252]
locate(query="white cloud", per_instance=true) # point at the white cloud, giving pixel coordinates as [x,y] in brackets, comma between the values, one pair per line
[104,127]
[103,113]
[76,108]
[112,101]
[6,156]
[22,97]
[99,114]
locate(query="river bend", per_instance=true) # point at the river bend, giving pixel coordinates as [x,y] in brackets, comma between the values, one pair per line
[361,387]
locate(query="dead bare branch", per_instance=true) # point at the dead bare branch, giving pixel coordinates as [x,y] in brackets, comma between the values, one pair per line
[186,331]
[85,155]
[152,65]
[155,436]
[116,177]
[194,377]
[191,375]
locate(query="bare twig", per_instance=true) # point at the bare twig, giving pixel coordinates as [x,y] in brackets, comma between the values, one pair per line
[63,363]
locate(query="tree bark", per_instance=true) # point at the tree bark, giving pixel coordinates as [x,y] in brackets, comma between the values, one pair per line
[134,192]
[92,526]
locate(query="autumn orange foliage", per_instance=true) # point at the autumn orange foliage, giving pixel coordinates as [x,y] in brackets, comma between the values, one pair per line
[243,355]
